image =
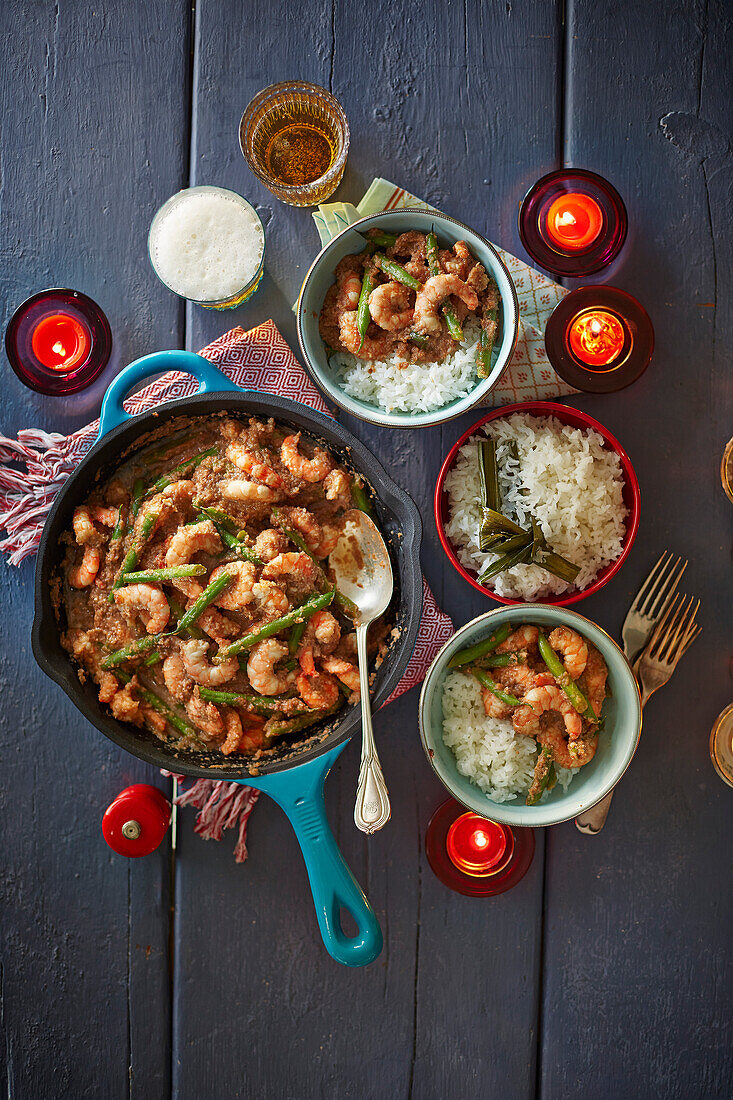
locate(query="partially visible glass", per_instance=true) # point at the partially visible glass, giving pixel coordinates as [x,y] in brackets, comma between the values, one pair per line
[721,745]
[295,138]
[207,244]
[726,470]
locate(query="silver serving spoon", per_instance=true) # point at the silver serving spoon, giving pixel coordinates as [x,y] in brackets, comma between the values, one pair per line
[363,573]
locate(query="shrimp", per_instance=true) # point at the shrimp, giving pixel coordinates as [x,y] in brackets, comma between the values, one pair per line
[233,731]
[573,649]
[347,673]
[337,484]
[176,679]
[253,466]
[261,667]
[319,691]
[179,494]
[544,697]
[493,707]
[321,636]
[364,347]
[194,653]
[249,491]
[328,543]
[568,754]
[238,595]
[272,601]
[82,575]
[124,706]
[199,538]
[108,686]
[349,278]
[308,469]
[146,600]
[301,520]
[84,529]
[431,296]
[269,543]
[390,306]
[595,675]
[293,564]
[522,638]
[519,679]
[205,717]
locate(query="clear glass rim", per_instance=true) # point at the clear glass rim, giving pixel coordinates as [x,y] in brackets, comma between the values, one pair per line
[159,213]
[245,123]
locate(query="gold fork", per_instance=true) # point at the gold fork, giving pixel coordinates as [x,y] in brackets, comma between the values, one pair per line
[671,638]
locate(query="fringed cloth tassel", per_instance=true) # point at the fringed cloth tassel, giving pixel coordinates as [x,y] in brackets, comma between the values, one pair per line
[221,806]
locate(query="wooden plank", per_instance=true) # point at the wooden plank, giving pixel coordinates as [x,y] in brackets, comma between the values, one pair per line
[95,102]
[636,999]
[420,114]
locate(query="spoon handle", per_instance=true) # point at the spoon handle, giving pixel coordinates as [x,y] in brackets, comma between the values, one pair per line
[372,809]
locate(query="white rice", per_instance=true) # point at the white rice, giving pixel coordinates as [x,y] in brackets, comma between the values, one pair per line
[487,750]
[396,385]
[566,478]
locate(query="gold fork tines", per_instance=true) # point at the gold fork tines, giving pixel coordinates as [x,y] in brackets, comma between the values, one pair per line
[650,601]
[675,631]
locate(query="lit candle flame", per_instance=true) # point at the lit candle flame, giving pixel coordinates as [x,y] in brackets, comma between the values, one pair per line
[566,218]
[480,839]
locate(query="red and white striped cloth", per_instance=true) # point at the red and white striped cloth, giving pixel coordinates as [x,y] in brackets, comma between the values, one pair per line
[34,466]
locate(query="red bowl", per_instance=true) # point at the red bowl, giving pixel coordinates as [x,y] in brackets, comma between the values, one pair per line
[576,419]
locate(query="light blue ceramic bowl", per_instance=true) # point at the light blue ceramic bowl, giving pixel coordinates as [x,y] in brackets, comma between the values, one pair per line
[320,277]
[616,745]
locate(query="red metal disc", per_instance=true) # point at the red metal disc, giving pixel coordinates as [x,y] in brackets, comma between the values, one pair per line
[136,822]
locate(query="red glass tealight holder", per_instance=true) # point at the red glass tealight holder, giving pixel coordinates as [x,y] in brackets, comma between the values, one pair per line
[599,339]
[475,856]
[58,341]
[572,222]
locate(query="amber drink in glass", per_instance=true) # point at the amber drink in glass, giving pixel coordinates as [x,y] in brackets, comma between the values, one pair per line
[295,138]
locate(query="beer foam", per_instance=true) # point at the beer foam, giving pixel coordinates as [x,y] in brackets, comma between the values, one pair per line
[207,245]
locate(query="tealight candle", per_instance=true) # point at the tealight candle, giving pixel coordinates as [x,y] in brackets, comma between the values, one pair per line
[473,855]
[597,337]
[58,341]
[574,221]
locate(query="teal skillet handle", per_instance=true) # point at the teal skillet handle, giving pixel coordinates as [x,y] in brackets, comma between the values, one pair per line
[299,792]
[210,379]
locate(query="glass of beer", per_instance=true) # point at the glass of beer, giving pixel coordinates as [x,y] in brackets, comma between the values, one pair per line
[295,138]
[207,244]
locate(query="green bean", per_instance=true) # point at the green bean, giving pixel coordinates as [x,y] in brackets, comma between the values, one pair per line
[481,649]
[503,696]
[361,497]
[131,651]
[157,703]
[296,636]
[483,354]
[381,239]
[179,611]
[418,338]
[188,466]
[168,573]
[236,546]
[130,559]
[237,699]
[217,516]
[297,615]
[118,528]
[449,313]
[137,497]
[363,317]
[397,272]
[153,658]
[571,689]
[296,724]
[208,596]
[499,660]
[544,780]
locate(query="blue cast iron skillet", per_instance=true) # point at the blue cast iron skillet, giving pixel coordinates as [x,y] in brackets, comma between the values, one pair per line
[295,777]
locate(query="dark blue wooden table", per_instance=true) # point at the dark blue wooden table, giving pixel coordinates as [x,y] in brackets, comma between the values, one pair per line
[606,972]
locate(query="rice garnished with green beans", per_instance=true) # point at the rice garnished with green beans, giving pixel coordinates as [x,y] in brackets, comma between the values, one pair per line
[487,750]
[399,386]
[563,476]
